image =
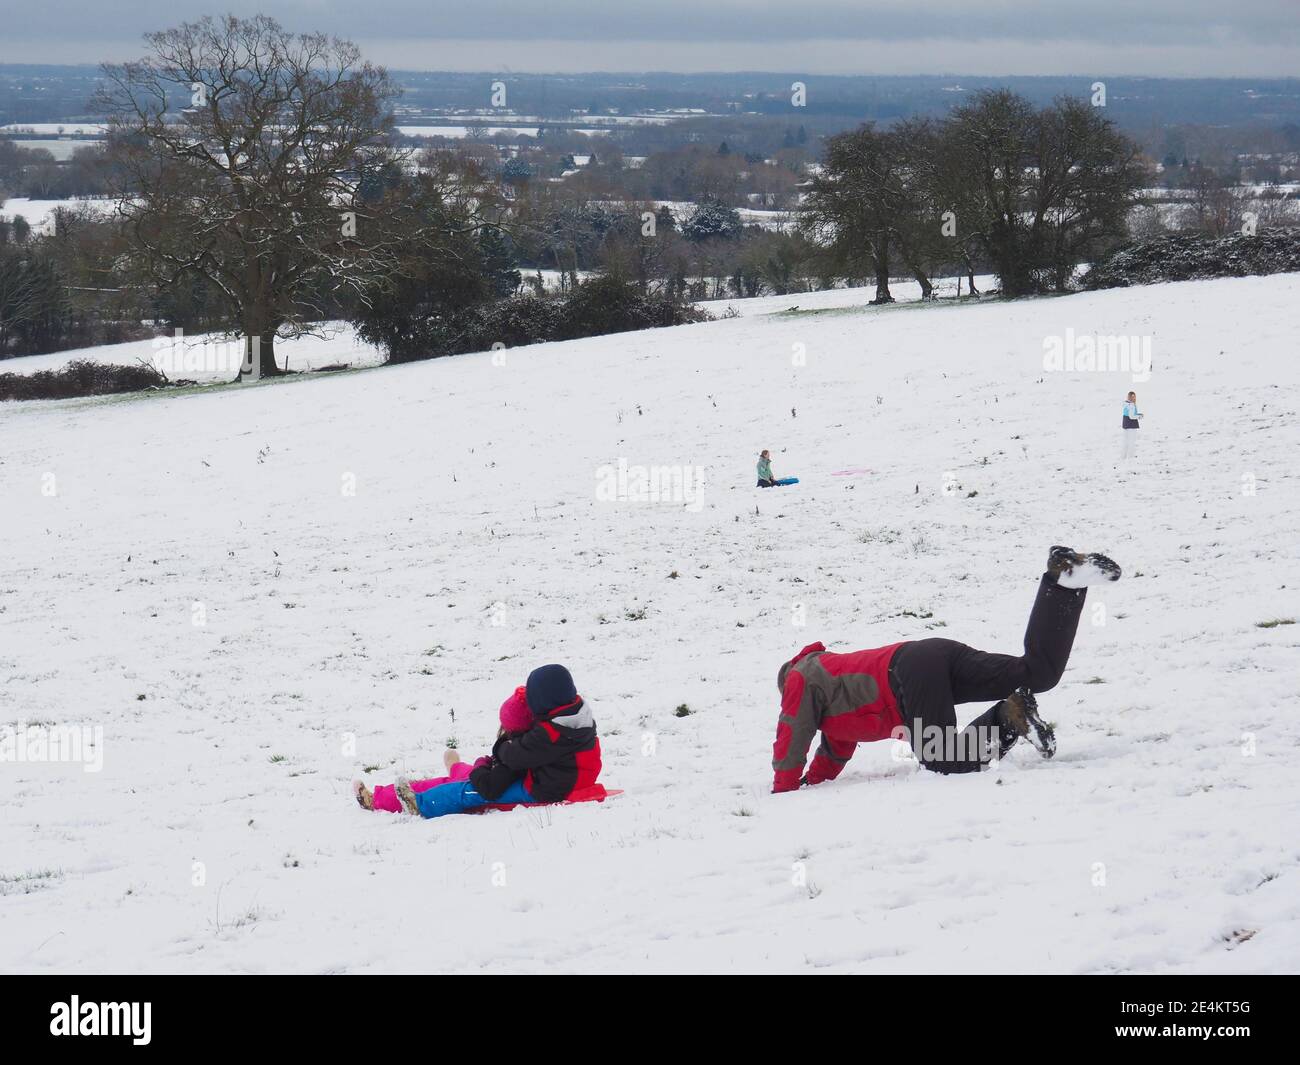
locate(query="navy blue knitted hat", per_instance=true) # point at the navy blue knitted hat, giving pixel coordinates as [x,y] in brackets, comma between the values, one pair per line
[549,687]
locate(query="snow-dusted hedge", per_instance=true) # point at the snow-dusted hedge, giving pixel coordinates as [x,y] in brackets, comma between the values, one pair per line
[80,378]
[1193,256]
[596,307]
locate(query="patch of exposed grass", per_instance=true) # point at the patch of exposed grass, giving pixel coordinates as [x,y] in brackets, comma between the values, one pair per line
[879,536]
[26,883]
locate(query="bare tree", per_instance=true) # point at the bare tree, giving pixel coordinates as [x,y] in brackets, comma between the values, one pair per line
[1040,190]
[1217,206]
[990,146]
[1089,176]
[257,184]
[19,297]
[1275,208]
[853,204]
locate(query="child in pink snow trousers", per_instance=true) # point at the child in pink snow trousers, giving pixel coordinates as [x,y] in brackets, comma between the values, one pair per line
[516,719]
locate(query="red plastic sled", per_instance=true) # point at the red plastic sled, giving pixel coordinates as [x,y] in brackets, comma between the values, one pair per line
[595,793]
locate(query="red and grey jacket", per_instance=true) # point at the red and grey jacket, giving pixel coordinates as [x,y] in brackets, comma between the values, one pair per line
[559,755]
[845,696]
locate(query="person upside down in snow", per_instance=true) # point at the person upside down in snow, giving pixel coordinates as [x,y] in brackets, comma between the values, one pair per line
[911,689]
[547,751]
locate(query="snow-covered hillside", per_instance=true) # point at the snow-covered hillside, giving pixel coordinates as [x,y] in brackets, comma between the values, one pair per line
[258,593]
[39,214]
[212,358]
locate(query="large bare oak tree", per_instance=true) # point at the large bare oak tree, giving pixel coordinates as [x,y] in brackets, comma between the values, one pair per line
[243,149]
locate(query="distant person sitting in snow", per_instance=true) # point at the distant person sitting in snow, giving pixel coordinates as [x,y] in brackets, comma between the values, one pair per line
[557,758]
[1130,423]
[910,690]
[516,719]
[765,478]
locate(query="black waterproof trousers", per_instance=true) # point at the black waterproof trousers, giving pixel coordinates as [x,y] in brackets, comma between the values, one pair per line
[930,677]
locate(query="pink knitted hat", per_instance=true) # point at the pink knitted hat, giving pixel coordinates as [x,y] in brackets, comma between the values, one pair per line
[515,715]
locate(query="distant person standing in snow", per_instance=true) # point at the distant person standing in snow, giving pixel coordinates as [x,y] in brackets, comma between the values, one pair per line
[1131,416]
[765,478]
[910,690]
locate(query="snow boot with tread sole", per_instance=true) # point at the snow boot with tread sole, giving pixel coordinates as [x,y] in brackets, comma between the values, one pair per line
[406,796]
[1019,716]
[1075,570]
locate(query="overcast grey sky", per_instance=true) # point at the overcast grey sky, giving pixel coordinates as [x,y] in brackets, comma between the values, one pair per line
[1158,38]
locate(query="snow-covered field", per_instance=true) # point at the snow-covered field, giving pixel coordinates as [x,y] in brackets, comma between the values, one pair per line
[209,358]
[258,593]
[903,292]
[63,129]
[39,214]
[463,132]
[61,149]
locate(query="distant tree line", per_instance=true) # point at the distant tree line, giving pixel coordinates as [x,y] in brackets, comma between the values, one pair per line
[259,189]
[36,174]
[1031,192]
